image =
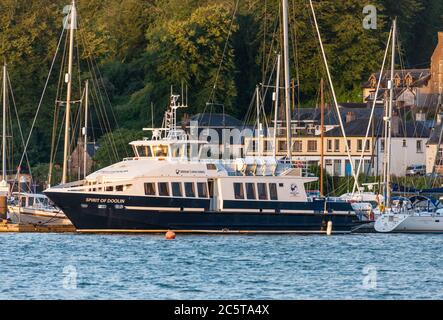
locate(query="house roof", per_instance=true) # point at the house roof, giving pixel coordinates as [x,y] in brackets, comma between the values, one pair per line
[331,117]
[216,120]
[420,77]
[358,128]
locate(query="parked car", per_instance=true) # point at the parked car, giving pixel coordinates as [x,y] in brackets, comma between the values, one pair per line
[416,170]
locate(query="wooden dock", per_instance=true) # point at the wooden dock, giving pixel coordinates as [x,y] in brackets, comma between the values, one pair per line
[11,227]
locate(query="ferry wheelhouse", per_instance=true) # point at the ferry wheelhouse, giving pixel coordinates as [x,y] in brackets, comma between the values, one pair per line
[170,185]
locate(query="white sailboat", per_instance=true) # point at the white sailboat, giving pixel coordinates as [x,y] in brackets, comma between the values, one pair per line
[401,215]
[24,207]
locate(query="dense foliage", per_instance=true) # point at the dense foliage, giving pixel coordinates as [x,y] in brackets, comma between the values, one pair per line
[142,48]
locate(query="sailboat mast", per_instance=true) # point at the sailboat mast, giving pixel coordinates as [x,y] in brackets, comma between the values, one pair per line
[68,80]
[277,91]
[389,118]
[257,96]
[85,148]
[322,134]
[287,77]
[4,125]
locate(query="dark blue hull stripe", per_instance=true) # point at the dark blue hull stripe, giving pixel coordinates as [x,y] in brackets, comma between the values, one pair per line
[119,217]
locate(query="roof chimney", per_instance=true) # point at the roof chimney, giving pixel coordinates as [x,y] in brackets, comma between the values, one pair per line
[350,116]
[395,125]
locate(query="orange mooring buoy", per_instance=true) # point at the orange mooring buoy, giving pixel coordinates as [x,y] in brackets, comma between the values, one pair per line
[170,235]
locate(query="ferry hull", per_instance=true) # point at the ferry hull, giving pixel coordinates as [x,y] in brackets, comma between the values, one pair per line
[136,215]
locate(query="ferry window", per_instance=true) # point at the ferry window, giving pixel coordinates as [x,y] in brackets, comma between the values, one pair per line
[190,189]
[177,151]
[23,202]
[144,151]
[150,189]
[262,191]
[250,191]
[177,189]
[211,166]
[30,201]
[119,188]
[273,191]
[239,191]
[110,188]
[202,190]
[160,151]
[163,189]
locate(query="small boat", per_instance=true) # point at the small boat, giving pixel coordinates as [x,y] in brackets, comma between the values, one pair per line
[415,215]
[35,209]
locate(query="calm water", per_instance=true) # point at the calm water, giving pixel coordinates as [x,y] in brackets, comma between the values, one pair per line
[68,266]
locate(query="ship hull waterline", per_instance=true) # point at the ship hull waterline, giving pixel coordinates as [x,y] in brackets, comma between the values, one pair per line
[136,217]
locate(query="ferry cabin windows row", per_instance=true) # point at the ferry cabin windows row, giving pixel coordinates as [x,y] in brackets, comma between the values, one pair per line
[255,191]
[177,189]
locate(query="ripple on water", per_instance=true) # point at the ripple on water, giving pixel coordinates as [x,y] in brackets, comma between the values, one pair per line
[72,266]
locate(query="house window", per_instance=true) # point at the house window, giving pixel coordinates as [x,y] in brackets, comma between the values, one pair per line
[250,191]
[359,144]
[337,168]
[329,145]
[282,146]
[202,190]
[312,146]
[273,191]
[177,189]
[262,191]
[297,146]
[368,145]
[419,146]
[349,144]
[190,189]
[239,192]
[336,145]
[163,189]
[150,189]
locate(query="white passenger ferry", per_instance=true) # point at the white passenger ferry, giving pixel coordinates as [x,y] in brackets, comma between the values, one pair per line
[164,187]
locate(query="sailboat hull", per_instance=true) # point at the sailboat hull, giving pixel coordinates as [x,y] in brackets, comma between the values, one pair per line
[20,215]
[405,223]
[138,215]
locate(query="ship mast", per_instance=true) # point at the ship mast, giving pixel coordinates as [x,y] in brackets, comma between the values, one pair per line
[287,77]
[277,89]
[322,134]
[388,119]
[68,80]
[85,130]
[3,182]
